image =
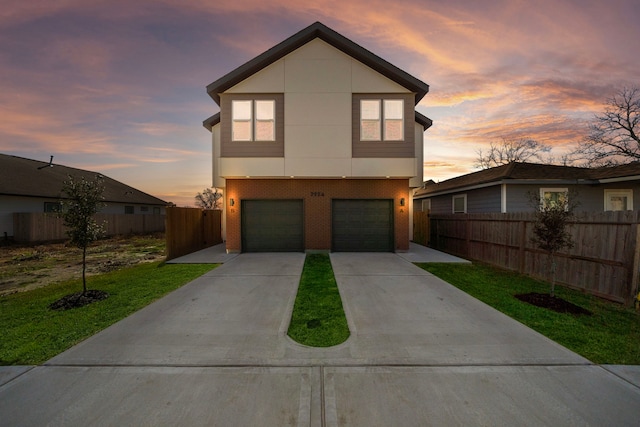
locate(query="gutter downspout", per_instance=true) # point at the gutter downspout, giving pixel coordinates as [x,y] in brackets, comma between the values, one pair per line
[503,198]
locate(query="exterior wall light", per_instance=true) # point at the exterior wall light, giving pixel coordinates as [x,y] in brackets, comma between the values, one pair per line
[232,202]
[402,202]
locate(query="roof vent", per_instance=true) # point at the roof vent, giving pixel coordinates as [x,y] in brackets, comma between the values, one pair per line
[50,165]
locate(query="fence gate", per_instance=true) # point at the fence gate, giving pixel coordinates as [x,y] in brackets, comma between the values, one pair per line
[191,229]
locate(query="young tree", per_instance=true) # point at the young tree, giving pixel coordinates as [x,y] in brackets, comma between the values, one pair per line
[551,226]
[614,136]
[84,200]
[209,199]
[511,150]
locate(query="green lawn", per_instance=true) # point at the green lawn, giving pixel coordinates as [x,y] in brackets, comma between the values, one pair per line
[32,333]
[610,336]
[318,318]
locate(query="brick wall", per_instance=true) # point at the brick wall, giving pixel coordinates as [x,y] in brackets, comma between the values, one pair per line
[317,195]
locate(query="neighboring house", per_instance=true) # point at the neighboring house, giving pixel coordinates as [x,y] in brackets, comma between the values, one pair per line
[317,146]
[33,186]
[507,188]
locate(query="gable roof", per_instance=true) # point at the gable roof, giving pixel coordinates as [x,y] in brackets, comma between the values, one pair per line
[321,31]
[522,172]
[317,30]
[33,178]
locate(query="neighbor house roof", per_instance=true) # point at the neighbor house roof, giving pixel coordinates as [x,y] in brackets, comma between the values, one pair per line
[33,178]
[529,173]
[326,34]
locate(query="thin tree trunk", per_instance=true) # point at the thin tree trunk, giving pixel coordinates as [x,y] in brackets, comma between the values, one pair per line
[84,268]
[552,262]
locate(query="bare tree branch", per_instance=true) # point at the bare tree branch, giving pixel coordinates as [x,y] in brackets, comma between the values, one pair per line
[511,150]
[209,199]
[614,136]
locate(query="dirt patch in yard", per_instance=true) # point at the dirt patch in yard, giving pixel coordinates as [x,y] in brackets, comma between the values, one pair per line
[553,303]
[26,267]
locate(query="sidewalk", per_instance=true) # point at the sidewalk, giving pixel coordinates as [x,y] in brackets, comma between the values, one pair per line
[215,352]
[217,254]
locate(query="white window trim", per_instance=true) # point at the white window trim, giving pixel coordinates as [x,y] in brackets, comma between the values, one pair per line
[253,120]
[612,192]
[552,190]
[453,203]
[385,119]
[382,120]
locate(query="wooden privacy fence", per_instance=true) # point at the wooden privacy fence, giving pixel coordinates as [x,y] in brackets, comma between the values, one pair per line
[421,228]
[192,229]
[40,226]
[604,261]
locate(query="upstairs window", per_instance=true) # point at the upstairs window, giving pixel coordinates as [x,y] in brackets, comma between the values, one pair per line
[381,120]
[253,120]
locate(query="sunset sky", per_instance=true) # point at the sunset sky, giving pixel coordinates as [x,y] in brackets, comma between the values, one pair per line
[118,86]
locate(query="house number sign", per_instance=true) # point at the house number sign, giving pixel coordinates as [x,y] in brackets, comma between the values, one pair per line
[317,194]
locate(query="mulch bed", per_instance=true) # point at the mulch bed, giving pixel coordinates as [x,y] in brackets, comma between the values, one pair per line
[79,299]
[553,303]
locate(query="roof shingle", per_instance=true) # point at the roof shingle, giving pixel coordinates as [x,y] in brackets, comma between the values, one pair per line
[33,178]
[530,171]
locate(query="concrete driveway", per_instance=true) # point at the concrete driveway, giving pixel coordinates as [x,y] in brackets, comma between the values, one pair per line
[215,352]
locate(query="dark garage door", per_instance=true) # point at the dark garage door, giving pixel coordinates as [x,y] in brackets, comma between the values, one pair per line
[272,226]
[362,226]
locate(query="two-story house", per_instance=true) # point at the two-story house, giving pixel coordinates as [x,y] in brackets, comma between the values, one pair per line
[317,146]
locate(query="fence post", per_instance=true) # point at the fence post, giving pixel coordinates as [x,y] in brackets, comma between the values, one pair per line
[467,227]
[635,266]
[522,245]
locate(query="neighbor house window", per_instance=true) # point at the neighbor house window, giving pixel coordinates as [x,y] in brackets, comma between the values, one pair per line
[52,207]
[618,200]
[459,203]
[381,120]
[156,211]
[253,120]
[554,196]
[128,209]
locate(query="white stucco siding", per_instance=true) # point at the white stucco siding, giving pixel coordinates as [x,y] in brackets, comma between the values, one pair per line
[366,80]
[317,75]
[379,167]
[418,179]
[218,180]
[318,167]
[269,80]
[240,167]
[318,82]
[318,141]
[326,109]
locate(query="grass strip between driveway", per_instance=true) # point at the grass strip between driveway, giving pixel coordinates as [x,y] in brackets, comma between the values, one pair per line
[318,318]
[32,333]
[610,336]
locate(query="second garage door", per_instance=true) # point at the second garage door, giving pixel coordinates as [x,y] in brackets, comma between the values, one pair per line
[362,226]
[272,226]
